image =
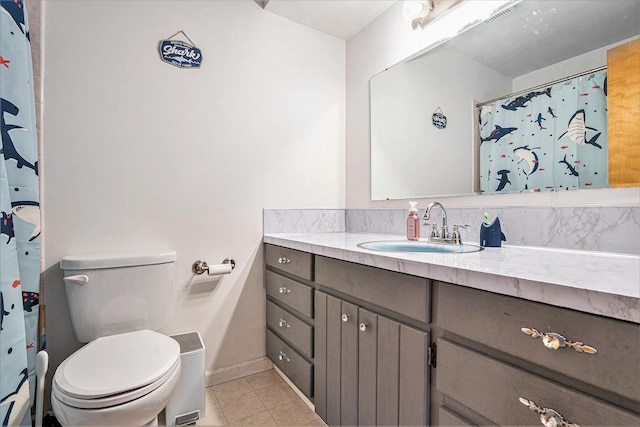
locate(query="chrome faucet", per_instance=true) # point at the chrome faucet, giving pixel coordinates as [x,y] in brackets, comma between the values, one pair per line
[443,235]
[444,232]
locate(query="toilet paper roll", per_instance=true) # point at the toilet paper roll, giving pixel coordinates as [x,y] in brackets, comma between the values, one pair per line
[218,269]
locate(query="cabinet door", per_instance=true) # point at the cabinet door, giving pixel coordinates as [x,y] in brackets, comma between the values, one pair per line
[334,328]
[393,372]
[336,361]
[414,377]
[369,369]
[349,365]
[388,371]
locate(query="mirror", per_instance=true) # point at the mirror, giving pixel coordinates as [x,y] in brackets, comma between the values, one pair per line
[532,43]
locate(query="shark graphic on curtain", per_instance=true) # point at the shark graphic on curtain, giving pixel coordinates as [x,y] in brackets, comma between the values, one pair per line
[19,218]
[547,140]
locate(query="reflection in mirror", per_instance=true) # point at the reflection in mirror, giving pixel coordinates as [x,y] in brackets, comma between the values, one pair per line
[529,45]
[549,139]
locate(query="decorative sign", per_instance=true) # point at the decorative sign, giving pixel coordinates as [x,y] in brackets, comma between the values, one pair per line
[438,119]
[179,53]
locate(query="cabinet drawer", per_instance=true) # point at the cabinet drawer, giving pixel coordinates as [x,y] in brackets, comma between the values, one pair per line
[401,293]
[497,320]
[292,329]
[297,369]
[289,260]
[449,418]
[492,389]
[294,294]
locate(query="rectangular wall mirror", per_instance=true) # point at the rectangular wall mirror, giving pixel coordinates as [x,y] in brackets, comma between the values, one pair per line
[424,125]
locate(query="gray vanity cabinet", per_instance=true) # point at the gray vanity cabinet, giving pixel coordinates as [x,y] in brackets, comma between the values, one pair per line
[361,341]
[493,367]
[370,368]
[290,291]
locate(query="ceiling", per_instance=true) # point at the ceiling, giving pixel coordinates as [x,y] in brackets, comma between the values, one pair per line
[339,18]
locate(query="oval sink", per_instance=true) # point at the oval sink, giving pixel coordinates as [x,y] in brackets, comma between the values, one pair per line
[418,246]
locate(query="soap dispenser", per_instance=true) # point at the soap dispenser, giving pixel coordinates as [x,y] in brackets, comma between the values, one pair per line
[413,222]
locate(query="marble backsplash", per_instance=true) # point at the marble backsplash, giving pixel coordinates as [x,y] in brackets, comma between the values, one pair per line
[303,221]
[606,229]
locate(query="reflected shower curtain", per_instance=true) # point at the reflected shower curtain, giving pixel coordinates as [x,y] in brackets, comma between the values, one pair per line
[20,218]
[547,140]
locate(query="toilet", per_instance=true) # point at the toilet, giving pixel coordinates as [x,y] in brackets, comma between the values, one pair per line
[128,371]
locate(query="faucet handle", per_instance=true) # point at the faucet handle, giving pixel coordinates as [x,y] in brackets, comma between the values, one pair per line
[455,235]
[457,226]
[434,229]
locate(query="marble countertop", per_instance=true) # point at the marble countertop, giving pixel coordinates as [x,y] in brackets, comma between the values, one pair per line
[601,283]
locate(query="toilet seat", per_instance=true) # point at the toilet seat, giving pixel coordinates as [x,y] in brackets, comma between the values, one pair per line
[137,412]
[116,369]
[116,399]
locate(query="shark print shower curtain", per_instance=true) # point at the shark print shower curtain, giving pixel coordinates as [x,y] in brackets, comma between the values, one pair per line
[20,218]
[548,140]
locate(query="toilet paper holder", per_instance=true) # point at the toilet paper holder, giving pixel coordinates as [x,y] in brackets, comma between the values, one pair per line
[200,266]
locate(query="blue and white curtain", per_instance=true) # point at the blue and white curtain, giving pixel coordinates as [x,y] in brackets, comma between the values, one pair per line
[20,218]
[552,139]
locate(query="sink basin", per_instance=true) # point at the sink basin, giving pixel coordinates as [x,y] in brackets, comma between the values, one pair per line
[418,246]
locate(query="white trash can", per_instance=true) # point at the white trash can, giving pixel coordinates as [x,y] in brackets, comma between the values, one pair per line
[187,405]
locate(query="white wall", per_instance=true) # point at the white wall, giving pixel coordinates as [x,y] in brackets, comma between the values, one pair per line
[385,42]
[141,154]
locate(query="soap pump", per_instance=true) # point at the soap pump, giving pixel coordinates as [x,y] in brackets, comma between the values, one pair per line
[413,222]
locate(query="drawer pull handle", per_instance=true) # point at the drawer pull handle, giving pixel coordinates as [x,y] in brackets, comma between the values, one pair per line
[284,260]
[363,327]
[345,317]
[555,341]
[283,356]
[283,324]
[548,416]
[284,290]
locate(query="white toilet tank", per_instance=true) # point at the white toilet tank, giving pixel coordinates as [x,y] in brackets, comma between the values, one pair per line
[114,293]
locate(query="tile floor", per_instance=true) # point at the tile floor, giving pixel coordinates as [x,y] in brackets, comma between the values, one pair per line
[262,399]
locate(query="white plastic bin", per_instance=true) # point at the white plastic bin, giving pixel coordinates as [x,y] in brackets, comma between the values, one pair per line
[187,405]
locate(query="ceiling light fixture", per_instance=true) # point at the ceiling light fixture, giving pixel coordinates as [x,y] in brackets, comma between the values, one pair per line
[420,13]
[415,10]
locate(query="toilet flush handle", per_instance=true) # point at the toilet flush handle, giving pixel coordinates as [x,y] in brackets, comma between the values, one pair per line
[80,278]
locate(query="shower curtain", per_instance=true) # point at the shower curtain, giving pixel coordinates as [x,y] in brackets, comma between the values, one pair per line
[20,218]
[547,140]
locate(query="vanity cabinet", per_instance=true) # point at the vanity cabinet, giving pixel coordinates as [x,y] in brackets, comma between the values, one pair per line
[290,316]
[370,368]
[378,347]
[496,363]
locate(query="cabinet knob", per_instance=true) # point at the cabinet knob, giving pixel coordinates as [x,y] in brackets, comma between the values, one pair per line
[283,260]
[283,356]
[284,290]
[555,341]
[363,327]
[345,317]
[548,416]
[283,324]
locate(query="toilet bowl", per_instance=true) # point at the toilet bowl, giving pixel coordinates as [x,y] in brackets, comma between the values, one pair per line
[124,379]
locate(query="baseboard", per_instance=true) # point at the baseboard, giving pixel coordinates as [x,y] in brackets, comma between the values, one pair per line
[230,373]
[295,389]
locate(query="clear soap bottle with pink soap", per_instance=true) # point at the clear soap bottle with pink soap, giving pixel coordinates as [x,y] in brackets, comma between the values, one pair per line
[413,222]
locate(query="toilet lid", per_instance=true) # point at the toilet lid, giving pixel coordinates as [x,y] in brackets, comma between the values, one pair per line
[117,364]
[114,399]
